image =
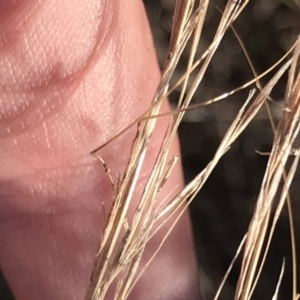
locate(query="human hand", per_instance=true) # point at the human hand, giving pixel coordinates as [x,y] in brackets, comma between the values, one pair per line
[73,74]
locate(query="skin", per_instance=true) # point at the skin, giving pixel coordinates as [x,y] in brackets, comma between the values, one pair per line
[72,75]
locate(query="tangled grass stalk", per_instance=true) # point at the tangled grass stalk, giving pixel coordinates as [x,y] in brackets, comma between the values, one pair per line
[121,247]
[285,135]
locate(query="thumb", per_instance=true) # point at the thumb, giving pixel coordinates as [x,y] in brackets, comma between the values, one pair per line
[73,74]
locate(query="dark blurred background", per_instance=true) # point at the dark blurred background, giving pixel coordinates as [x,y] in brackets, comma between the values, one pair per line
[223,208]
[222,211]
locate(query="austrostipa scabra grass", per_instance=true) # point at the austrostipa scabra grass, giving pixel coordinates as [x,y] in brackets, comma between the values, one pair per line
[117,262]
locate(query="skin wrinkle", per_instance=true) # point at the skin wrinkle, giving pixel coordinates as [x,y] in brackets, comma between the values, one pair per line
[73,110]
[8,16]
[67,86]
[52,182]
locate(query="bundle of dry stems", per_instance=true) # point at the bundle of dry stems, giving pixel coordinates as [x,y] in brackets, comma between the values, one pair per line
[116,263]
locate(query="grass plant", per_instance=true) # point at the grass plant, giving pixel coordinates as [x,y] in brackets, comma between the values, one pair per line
[124,240]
